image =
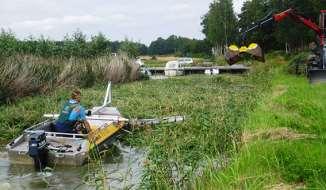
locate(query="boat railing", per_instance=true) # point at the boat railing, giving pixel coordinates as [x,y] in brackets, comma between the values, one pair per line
[41,127]
[68,135]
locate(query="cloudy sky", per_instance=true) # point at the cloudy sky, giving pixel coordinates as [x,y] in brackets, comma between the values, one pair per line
[138,20]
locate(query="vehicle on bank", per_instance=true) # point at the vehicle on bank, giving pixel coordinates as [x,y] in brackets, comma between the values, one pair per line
[173,68]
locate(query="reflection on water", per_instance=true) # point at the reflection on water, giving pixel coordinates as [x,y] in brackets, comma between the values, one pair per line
[123,164]
[126,168]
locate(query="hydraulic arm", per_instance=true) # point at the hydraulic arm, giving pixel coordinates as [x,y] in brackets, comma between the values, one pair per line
[316,70]
[306,21]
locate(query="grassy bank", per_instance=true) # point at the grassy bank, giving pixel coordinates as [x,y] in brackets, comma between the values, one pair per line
[283,140]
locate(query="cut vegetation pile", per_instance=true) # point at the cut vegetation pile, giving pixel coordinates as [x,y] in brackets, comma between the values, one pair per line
[26,75]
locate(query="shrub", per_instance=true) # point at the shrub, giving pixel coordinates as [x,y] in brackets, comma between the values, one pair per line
[298,64]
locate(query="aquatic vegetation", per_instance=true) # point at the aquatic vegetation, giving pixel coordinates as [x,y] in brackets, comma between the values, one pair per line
[31,75]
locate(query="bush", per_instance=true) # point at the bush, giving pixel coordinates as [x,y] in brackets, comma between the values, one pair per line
[298,64]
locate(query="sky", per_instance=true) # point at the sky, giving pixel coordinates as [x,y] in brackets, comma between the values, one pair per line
[139,20]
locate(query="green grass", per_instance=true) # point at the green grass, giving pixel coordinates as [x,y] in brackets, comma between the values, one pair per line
[262,165]
[289,162]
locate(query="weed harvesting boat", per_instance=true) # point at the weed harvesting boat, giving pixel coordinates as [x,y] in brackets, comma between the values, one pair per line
[41,145]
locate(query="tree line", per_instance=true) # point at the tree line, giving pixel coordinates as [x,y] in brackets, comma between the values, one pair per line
[223,27]
[77,45]
[180,46]
[74,45]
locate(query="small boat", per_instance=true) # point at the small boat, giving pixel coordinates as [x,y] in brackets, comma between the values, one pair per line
[41,145]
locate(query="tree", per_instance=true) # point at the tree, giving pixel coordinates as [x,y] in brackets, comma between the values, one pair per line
[99,45]
[130,48]
[8,43]
[219,24]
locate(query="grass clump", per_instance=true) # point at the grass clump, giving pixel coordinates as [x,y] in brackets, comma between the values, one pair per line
[298,64]
[266,165]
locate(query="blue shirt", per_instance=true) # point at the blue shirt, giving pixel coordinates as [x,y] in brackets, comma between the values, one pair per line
[78,113]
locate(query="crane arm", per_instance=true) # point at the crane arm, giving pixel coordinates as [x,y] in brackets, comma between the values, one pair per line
[291,13]
[233,52]
[279,17]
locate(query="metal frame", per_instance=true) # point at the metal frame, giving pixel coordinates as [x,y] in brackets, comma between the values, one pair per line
[55,134]
[107,98]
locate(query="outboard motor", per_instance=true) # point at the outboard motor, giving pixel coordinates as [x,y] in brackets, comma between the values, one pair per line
[37,149]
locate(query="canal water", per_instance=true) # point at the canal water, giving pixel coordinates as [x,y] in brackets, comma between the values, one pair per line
[123,167]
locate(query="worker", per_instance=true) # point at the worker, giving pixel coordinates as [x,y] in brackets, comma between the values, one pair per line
[71,115]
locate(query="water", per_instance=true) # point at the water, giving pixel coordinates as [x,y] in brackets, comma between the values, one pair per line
[123,166]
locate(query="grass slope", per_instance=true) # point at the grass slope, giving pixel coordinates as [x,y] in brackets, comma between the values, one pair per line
[284,140]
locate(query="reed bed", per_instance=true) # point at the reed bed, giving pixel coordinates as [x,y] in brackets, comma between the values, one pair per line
[24,75]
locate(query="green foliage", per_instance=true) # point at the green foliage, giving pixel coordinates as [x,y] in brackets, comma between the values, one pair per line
[214,107]
[220,23]
[21,115]
[130,48]
[296,164]
[267,165]
[8,43]
[298,64]
[75,45]
[179,46]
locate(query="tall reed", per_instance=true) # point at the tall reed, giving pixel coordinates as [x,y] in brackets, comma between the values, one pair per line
[23,75]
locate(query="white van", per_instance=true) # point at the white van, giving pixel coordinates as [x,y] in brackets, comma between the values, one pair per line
[173,68]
